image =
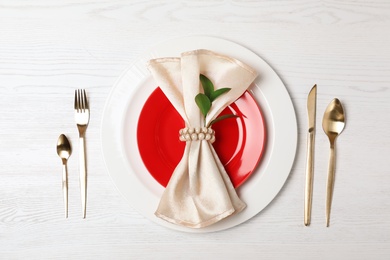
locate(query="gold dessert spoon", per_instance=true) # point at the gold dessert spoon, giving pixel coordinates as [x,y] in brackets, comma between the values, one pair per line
[64,151]
[333,124]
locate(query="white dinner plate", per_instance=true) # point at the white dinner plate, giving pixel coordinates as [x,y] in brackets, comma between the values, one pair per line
[119,132]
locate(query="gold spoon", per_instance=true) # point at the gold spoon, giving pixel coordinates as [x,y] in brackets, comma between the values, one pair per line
[333,124]
[64,151]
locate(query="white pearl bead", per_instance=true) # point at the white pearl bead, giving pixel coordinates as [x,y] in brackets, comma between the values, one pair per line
[208,136]
[194,137]
[197,130]
[191,130]
[201,136]
[187,137]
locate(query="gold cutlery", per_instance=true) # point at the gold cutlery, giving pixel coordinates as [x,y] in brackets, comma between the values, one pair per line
[333,124]
[311,112]
[64,151]
[82,119]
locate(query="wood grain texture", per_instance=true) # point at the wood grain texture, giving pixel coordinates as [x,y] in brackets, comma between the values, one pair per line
[49,48]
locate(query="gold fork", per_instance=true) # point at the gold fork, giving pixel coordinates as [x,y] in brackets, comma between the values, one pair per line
[81,116]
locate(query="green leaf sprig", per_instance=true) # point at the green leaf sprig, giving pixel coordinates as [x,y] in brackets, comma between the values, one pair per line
[205,100]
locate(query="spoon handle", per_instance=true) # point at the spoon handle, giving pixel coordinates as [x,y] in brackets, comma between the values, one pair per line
[330,182]
[65,186]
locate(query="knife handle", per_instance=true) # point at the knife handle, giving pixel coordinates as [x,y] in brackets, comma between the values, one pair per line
[309,177]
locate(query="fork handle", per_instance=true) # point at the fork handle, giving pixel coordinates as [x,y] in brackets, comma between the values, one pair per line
[83,175]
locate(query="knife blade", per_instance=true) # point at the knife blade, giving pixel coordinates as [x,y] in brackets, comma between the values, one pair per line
[311,112]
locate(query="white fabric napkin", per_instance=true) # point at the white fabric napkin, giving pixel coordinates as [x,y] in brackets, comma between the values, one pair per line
[199,192]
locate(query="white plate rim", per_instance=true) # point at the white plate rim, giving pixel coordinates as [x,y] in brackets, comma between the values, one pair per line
[133,87]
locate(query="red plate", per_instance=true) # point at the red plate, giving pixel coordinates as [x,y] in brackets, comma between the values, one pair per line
[239,141]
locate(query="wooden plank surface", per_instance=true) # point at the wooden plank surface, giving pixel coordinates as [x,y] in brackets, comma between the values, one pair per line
[49,48]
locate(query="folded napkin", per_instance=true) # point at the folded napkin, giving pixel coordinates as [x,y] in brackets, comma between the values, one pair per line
[199,192]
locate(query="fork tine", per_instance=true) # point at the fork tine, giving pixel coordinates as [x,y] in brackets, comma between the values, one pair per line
[75,99]
[82,99]
[85,100]
[79,101]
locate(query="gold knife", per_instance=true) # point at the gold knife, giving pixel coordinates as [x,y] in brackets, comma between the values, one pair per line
[311,112]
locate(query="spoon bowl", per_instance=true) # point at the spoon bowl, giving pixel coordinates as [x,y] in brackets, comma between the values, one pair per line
[333,124]
[334,119]
[64,150]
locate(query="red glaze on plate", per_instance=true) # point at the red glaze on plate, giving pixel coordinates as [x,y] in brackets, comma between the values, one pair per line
[239,141]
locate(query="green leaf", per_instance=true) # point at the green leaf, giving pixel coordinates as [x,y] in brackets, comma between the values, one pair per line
[203,103]
[207,85]
[222,118]
[218,92]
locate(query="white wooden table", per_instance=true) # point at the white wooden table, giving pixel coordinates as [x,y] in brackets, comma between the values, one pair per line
[49,48]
